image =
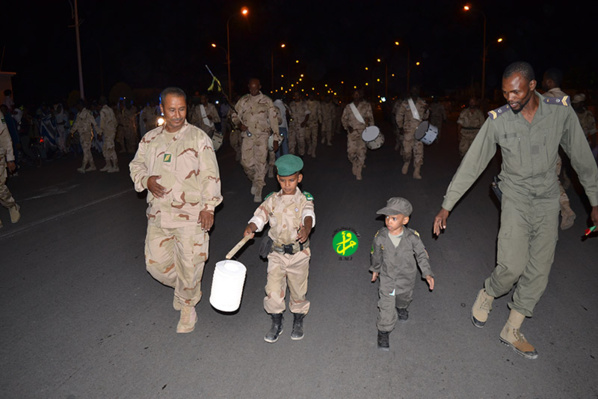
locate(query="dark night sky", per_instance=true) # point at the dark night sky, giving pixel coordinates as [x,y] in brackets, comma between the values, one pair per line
[152,44]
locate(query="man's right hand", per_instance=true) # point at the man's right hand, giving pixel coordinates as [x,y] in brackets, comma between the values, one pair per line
[440,221]
[154,187]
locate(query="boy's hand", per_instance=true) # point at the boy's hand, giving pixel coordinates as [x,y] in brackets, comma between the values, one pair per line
[430,281]
[250,230]
[303,233]
[375,277]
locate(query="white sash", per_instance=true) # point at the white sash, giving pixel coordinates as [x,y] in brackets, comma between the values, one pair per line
[413,109]
[204,116]
[356,113]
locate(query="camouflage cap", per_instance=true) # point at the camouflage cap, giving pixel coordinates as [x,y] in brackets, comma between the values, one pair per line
[578,98]
[396,206]
[288,165]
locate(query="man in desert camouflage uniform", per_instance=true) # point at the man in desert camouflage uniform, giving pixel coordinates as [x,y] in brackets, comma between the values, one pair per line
[7,160]
[177,164]
[148,118]
[127,126]
[205,116]
[410,114]
[257,117]
[551,82]
[328,115]
[356,117]
[586,118]
[437,115]
[84,124]
[299,117]
[108,125]
[469,123]
[311,130]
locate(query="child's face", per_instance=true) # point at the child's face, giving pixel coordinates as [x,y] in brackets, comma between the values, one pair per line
[395,223]
[288,184]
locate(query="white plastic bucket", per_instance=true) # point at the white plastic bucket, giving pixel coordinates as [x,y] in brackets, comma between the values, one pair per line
[227,285]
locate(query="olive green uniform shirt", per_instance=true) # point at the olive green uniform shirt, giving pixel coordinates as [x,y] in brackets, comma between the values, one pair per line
[529,153]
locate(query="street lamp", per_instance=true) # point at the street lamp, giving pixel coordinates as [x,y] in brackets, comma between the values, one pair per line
[244,12]
[282,45]
[467,7]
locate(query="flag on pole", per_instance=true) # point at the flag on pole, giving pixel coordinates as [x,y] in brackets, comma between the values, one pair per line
[217,82]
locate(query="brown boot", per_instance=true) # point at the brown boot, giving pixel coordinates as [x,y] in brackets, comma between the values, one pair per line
[512,336]
[15,214]
[187,321]
[567,216]
[416,173]
[481,308]
[405,168]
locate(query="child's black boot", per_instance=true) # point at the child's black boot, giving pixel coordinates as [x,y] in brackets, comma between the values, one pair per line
[275,330]
[383,343]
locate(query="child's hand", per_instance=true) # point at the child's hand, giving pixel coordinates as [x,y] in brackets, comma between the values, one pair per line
[430,281]
[250,230]
[303,234]
[375,277]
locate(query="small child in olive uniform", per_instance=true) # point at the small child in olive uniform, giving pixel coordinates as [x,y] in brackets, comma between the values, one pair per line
[394,253]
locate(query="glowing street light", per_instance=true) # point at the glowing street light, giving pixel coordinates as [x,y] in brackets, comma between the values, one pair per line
[272,65]
[467,7]
[244,12]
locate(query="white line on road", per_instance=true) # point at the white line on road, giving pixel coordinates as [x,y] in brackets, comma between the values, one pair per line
[61,214]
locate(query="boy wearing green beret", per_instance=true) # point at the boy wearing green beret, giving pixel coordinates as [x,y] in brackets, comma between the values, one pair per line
[395,251]
[290,213]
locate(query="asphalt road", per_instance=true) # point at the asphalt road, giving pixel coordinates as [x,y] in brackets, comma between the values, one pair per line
[81,318]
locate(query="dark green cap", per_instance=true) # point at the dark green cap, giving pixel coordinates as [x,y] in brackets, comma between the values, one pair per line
[288,164]
[396,206]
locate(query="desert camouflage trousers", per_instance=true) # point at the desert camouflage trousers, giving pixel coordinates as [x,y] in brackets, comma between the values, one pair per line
[412,148]
[287,270]
[176,258]
[254,158]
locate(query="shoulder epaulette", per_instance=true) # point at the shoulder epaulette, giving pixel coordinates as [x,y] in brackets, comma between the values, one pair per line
[413,231]
[557,100]
[308,196]
[267,196]
[495,113]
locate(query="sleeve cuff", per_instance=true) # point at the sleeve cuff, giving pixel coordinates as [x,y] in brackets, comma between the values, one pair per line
[258,222]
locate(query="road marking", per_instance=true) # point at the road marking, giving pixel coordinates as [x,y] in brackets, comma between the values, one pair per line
[61,214]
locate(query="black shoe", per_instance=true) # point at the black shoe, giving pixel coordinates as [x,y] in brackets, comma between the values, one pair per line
[275,330]
[297,333]
[383,341]
[403,314]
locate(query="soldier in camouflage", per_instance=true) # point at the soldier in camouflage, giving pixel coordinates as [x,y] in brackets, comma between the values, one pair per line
[258,118]
[177,164]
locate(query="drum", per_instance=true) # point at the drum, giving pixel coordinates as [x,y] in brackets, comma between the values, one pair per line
[217,140]
[370,133]
[426,133]
[376,143]
[271,143]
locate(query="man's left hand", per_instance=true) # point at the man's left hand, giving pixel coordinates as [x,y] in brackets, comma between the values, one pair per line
[206,219]
[12,166]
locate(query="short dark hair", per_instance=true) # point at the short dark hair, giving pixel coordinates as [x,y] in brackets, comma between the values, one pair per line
[522,67]
[555,75]
[175,91]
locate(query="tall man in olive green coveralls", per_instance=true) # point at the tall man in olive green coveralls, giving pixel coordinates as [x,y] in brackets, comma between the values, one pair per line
[529,130]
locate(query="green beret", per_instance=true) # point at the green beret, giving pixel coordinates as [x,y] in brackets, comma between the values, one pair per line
[288,164]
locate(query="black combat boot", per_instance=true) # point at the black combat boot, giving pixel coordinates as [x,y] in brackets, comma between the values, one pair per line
[403,314]
[383,341]
[297,333]
[275,330]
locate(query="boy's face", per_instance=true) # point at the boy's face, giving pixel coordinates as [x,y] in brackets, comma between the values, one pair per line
[288,184]
[395,223]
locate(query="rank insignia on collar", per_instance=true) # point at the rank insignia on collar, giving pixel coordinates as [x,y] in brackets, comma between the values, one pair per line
[167,157]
